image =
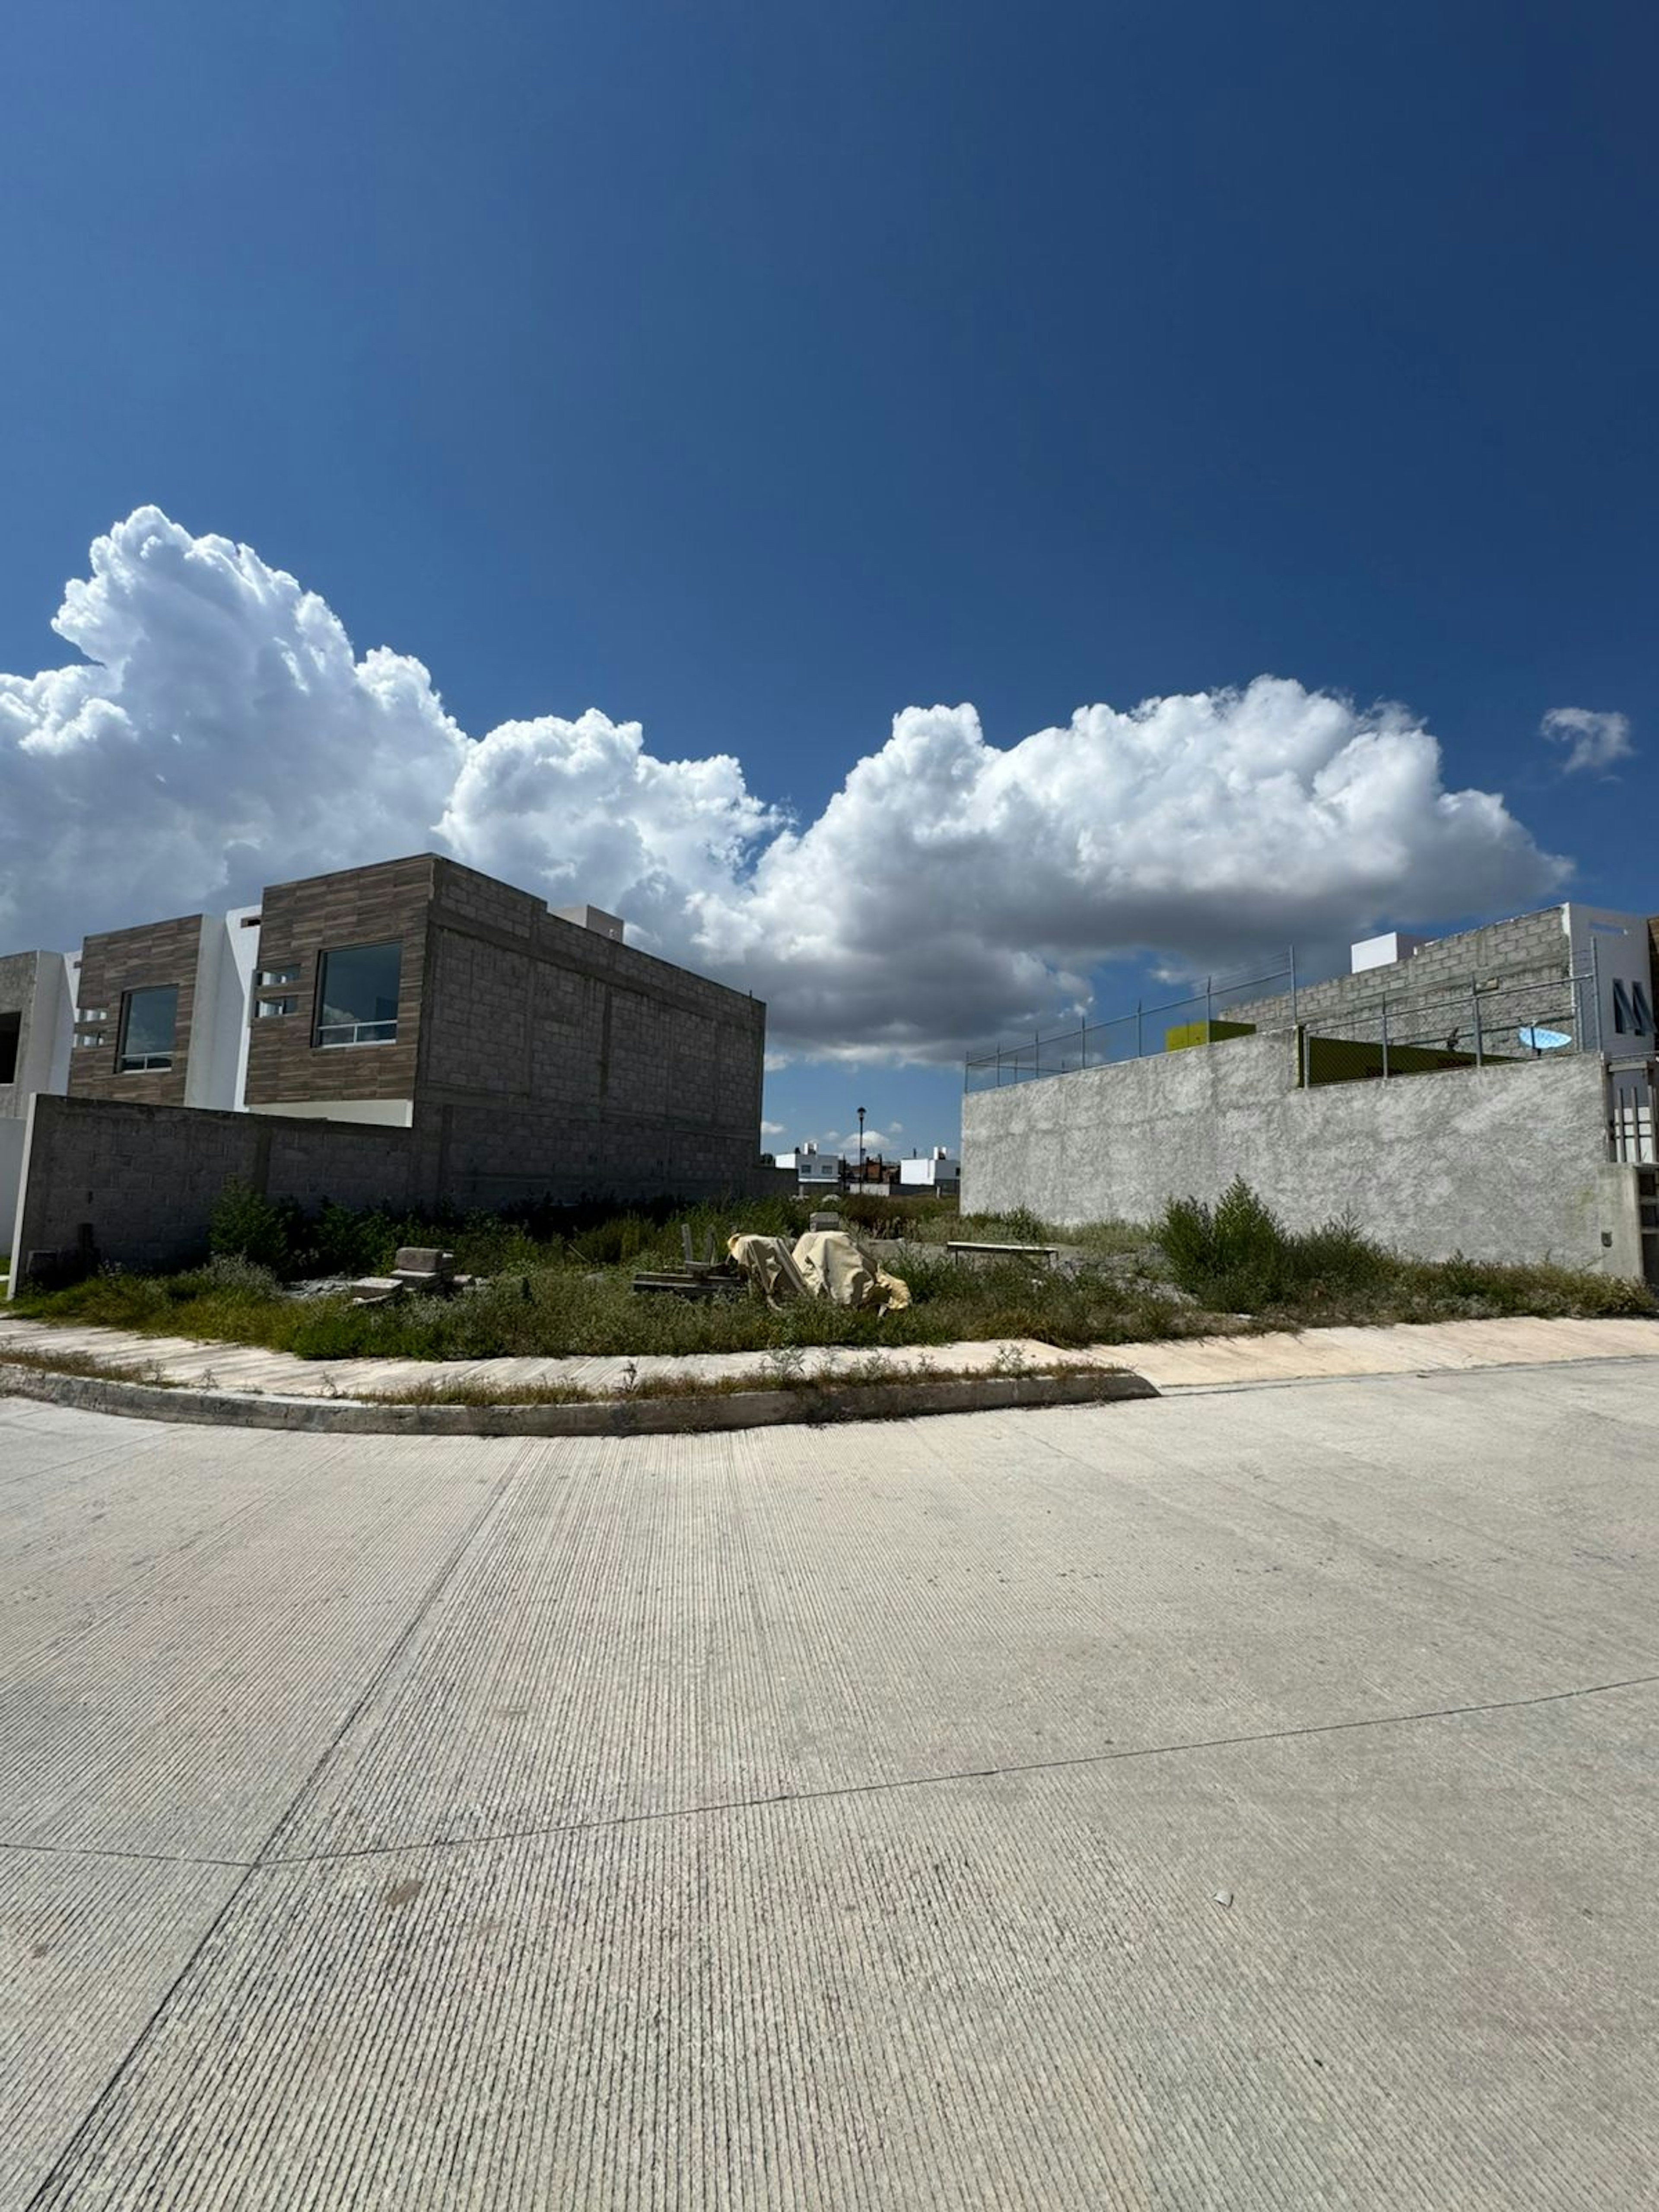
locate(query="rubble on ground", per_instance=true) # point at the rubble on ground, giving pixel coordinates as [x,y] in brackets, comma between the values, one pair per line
[417,1267]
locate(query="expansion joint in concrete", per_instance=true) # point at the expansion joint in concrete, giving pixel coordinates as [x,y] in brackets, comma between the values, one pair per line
[266,1862]
[249,1867]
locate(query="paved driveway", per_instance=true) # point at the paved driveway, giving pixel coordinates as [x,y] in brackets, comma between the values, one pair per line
[1240,1801]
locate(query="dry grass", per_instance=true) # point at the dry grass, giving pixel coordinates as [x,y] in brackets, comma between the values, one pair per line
[562,1286]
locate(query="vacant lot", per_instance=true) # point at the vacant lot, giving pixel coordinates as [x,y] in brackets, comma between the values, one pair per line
[562,1283]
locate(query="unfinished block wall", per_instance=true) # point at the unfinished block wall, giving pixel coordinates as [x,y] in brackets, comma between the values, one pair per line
[556,1061]
[1531,948]
[143,1178]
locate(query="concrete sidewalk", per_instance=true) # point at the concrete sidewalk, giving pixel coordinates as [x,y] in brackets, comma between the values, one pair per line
[1204,1363]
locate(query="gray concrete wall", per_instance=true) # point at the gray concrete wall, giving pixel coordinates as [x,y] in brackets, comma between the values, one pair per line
[12,1130]
[35,986]
[1500,1162]
[145,1177]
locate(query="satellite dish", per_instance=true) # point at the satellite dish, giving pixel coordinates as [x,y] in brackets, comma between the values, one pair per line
[1537,1040]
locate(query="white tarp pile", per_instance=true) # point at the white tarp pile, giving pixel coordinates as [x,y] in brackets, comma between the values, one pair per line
[825,1263]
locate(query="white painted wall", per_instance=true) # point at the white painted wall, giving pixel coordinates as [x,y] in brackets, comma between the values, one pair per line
[925,1174]
[242,944]
[381,1113]
[218,1036]
[51,1028]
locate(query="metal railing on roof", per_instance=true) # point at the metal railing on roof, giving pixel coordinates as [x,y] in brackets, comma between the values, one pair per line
[1394,1033]
[1126,1037]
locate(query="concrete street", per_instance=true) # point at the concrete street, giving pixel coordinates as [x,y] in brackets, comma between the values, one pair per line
[1244,1800]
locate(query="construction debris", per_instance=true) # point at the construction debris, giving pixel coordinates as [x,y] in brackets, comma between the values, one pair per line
[416,1267]
[708,1278]
[824,1263]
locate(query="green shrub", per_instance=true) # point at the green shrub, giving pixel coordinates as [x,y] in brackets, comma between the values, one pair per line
[346,1240]
[245,1224]
[1239,1257]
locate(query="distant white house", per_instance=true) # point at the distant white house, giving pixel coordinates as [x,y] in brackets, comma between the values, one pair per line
[814,1170]
[941,1171]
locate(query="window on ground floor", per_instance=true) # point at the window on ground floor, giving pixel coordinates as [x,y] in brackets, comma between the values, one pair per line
[357,1003]
[148,1018]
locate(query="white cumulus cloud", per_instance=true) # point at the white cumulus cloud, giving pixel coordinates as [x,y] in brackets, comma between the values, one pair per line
[222,732]
[1592,740]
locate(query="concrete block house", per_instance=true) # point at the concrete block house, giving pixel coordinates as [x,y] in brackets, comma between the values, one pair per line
[440,1038]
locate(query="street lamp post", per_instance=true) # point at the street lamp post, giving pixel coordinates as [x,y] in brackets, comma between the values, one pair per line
[860,1144]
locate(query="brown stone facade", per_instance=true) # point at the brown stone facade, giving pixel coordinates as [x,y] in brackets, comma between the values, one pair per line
[114,963]
[298,922]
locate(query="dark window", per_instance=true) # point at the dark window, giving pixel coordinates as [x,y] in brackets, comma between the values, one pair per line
[148,1020]
[11,1031]
[357,1003]
[1630,1014]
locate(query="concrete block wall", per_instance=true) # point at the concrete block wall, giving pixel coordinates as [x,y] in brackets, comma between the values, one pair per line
[477,1157]
[1530,948]
[1506,1163]
[556,1061]
[145,1177]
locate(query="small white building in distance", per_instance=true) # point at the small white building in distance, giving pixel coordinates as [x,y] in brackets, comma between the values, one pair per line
[814,1170]
[941,1171]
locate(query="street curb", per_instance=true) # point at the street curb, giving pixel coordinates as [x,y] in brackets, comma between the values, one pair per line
[612,1417]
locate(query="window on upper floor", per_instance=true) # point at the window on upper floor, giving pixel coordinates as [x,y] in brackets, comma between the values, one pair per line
[357,1000]
[265,1009]
[1632,1015]
[11,1033]
[148,1018]
[269,978]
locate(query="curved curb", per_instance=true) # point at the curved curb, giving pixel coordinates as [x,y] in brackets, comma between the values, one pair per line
[612,1417]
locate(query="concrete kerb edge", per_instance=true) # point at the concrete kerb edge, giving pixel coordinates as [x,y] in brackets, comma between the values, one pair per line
[616,1417]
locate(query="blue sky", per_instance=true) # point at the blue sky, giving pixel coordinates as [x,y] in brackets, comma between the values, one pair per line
[758,373]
